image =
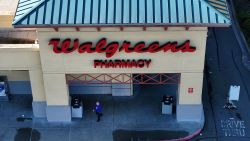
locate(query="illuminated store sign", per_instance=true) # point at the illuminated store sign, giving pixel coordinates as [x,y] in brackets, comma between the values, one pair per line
[111,48]
[124,63]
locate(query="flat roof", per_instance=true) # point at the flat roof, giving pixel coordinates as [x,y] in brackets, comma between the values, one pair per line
[8,7]
[72,13]
[19,46]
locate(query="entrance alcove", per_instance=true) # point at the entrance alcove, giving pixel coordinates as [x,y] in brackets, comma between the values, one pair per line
[139,105]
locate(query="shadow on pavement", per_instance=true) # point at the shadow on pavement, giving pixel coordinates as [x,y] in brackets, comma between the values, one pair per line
[27,134]
[154,135]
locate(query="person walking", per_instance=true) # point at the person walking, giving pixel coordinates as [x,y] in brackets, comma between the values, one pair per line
[98,110]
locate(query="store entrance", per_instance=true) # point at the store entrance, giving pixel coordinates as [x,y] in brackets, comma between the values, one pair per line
[155,91]
[141,108]
[15,97]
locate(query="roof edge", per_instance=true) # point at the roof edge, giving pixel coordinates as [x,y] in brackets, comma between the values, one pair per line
[28,12]
[127,25]
[229,19]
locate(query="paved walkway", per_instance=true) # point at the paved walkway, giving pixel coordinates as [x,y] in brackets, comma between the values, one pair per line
[141,112]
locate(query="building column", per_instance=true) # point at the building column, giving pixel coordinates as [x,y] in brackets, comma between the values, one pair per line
[189,105]
[57,97]
[38,93]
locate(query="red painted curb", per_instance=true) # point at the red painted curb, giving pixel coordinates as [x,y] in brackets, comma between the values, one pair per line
[189,137]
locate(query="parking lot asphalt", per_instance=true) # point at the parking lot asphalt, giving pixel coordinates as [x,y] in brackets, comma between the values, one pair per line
[224,68]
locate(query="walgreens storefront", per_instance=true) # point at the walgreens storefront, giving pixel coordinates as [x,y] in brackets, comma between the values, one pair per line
[108,47]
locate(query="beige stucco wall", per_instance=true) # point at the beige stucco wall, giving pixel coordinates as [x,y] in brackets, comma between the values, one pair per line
[56,89]
[19,57]
[16,75]
[8,6]
[21,62]
[191,80]
[6,21]
[190,65]
[37,85]
[7,12]
[161,62]
[52,68]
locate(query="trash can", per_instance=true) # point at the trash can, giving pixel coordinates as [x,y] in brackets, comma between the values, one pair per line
[167,104]
[76,108]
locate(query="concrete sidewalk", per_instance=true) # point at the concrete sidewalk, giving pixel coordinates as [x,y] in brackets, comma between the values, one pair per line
[141,112]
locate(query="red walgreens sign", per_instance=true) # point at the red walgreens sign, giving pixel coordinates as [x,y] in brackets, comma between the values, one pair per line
[111,48]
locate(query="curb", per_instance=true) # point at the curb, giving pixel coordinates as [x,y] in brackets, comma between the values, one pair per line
[196,133]
[239,36]
[187,138]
